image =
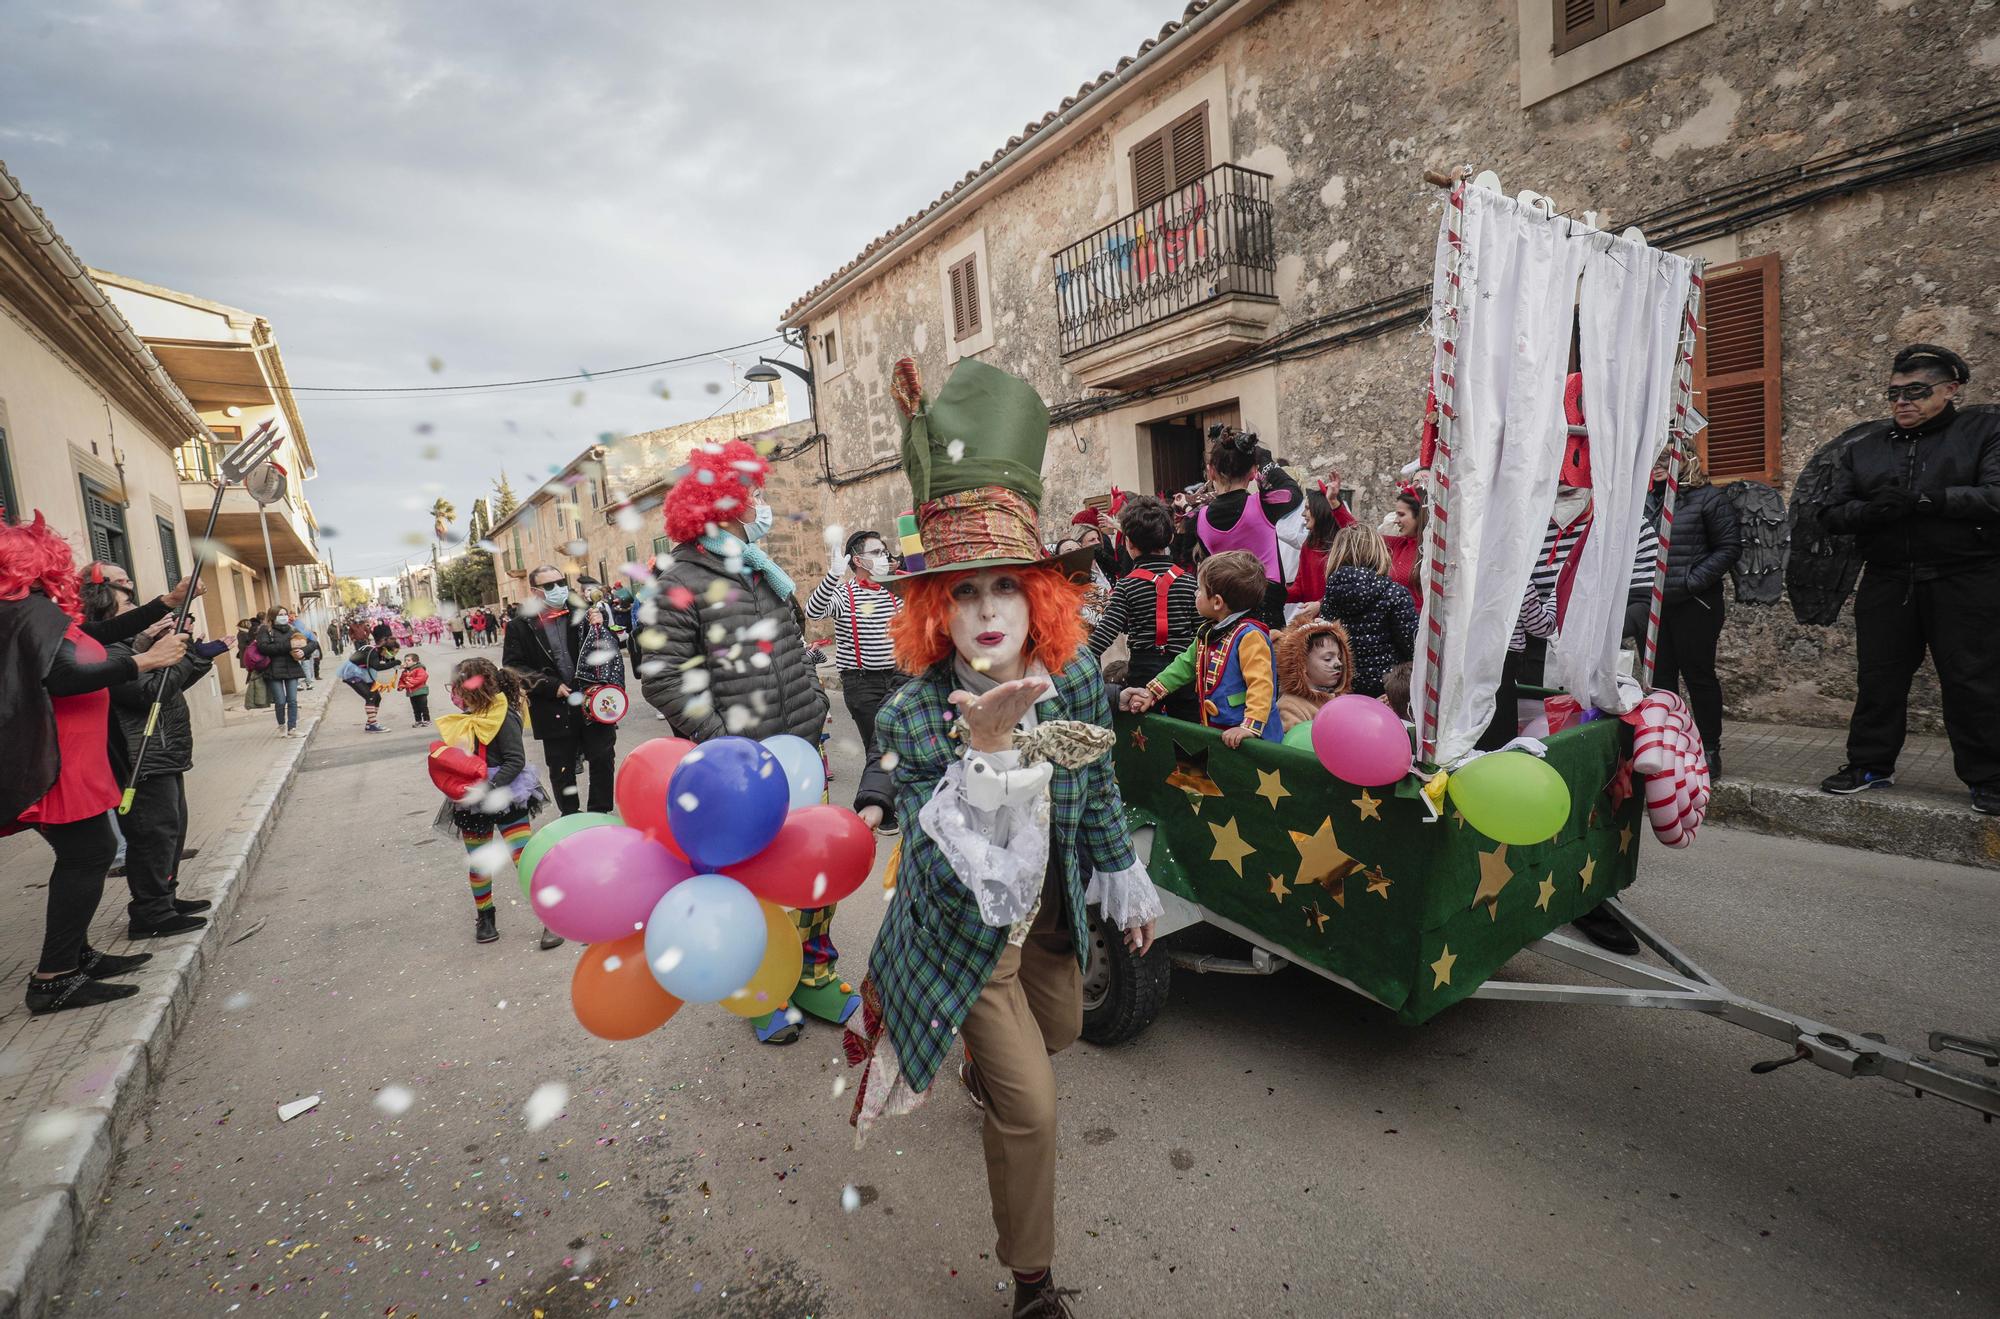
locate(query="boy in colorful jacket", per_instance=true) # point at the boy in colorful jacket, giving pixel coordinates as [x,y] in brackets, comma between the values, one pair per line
[1230,662]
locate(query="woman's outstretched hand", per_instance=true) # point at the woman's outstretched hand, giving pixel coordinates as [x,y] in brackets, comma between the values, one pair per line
[990,718]
[1139,938]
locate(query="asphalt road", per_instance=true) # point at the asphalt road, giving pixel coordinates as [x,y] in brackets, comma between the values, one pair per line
[1271,1147]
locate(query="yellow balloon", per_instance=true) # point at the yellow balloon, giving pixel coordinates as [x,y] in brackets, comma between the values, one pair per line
[778,974]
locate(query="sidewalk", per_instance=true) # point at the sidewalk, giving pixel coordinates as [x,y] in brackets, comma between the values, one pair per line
[1772,786]
[71,1082]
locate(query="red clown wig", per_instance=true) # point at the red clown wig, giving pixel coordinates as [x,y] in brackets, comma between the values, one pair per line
[720,486]
[32,555]
[922,630]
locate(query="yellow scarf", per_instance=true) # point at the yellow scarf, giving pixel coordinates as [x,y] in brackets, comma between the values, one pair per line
[464,728]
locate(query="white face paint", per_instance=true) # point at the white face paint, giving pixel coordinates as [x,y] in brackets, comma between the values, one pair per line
[989,622]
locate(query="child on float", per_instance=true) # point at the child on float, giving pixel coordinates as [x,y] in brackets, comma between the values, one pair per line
[1011,817]
[1230,663]
[1315,664]
[491,719]
[1153,605]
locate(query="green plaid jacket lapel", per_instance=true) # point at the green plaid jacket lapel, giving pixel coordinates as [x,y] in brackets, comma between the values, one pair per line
[933,954]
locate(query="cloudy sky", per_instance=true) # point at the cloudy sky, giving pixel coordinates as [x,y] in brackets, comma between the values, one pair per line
[513,189]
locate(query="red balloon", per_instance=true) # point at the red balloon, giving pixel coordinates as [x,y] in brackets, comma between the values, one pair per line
[613,991]
[641,790]
[821,854]
[456,773]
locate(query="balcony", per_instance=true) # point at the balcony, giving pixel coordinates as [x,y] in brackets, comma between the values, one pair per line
[511,563]
[1186,281]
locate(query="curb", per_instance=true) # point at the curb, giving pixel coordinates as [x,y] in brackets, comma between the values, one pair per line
[1929,828]
[63,1177]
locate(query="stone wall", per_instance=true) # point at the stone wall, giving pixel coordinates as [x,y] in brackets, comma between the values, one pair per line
[1345,102]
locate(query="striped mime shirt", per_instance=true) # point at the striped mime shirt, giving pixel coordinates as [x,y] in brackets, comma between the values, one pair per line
[860,612]
[1559,542]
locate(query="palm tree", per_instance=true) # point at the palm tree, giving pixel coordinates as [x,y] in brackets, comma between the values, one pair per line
[443,514]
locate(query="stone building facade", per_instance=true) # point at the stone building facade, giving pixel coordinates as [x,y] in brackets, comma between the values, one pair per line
[1232,225]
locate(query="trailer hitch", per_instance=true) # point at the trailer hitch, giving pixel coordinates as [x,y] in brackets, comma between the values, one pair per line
[1833,1051]
[1985,1050]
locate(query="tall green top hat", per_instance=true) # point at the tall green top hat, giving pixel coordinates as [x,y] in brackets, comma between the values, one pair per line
[973,456]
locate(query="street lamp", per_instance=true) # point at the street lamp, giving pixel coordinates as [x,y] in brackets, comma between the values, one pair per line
[766,372]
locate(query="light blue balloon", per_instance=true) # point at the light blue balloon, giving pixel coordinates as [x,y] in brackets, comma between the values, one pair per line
[705,939]
[805,772]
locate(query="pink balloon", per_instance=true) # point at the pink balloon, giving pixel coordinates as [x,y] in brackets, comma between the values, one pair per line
[1360,741]
[602,883]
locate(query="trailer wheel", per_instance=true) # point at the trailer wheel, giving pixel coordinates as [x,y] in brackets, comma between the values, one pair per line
[1121,993]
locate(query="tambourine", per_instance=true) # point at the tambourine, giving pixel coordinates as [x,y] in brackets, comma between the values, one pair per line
[606,704]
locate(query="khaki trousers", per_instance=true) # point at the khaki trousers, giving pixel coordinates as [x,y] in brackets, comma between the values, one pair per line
[1031,1008]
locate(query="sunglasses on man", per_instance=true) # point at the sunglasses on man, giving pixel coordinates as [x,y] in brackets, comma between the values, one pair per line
[551,581]
[1915,393]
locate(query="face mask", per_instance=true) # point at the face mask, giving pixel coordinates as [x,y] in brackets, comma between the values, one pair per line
[458,700]
[284,619]
[754,530]
[877,565]
[557,595]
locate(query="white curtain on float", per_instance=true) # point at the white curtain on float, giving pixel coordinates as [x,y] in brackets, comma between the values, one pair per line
[1629,315]
[1513,331]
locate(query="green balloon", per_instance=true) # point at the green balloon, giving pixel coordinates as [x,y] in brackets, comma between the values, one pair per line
[552,833]
[1512,797]
[1300,735]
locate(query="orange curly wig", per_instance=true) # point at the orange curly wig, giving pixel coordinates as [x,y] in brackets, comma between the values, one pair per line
[721,480]
[922,630]
[33,554]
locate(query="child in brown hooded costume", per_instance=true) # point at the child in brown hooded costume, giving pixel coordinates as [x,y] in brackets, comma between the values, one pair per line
[1315,664]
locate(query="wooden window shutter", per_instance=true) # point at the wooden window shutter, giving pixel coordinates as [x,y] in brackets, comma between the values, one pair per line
[1624,11]
[1152,174]
[1578,21]
[1189,139]
[1737,375]
[964,280]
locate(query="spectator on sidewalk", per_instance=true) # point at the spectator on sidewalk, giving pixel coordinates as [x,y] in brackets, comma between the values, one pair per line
[307,653]
[1705,545]
[285,669]
[55,724]
[861,608]
[255,663]
[155,827]
[542,645]
[458,631]
[1921,495]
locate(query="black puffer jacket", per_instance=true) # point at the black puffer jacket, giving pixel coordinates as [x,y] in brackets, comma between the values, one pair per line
[275,640]
[1707,540]
[172,749]
[756,663]
[1952,464]
[1380,618]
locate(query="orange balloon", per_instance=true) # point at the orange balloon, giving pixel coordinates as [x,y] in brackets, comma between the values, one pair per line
[778,974]
[613,991]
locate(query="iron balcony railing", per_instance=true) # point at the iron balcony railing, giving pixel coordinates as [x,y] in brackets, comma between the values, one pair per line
[1208,239]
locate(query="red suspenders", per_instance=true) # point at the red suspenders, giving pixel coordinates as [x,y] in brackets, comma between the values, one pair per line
[1163,583]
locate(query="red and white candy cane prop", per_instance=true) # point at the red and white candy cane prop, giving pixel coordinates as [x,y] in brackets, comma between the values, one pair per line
[1667,754]
[1447,434]
[1677,439]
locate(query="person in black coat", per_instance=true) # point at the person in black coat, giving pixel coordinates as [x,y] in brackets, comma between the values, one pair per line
[1380,617]
[274,638]
[1922,498]
[543,642]
[155,827]
[1705,545]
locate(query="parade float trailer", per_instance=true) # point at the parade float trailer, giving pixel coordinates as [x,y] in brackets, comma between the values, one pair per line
[1389,892]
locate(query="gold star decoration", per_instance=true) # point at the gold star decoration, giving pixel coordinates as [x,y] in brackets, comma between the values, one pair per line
[1316,918]
[1320,859]
[1270,788]
[1548,891]
[1191,774]
[1378,883]
[1494,872]
[1279,889]
[1589,870]
[1442,968]
[1229,845]
[1625,840]
[1369,805]
[1139,738]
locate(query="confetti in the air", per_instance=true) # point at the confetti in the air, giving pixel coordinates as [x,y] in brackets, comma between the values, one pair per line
[49,1127]
[425,428]
[667,961]
[660,388]
[395,1100]
[711,388]
[545,1105]
[850,1199]
[435,363]
[955,450]
[576,399]
[488,858]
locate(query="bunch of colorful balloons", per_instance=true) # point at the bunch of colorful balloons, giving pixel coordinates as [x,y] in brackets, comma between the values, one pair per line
[681,894]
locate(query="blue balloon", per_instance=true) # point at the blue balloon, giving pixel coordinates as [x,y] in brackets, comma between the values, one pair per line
[726,801]
[706,938]
[804,770]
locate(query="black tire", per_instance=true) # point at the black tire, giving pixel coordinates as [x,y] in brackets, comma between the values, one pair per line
[1121,993]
